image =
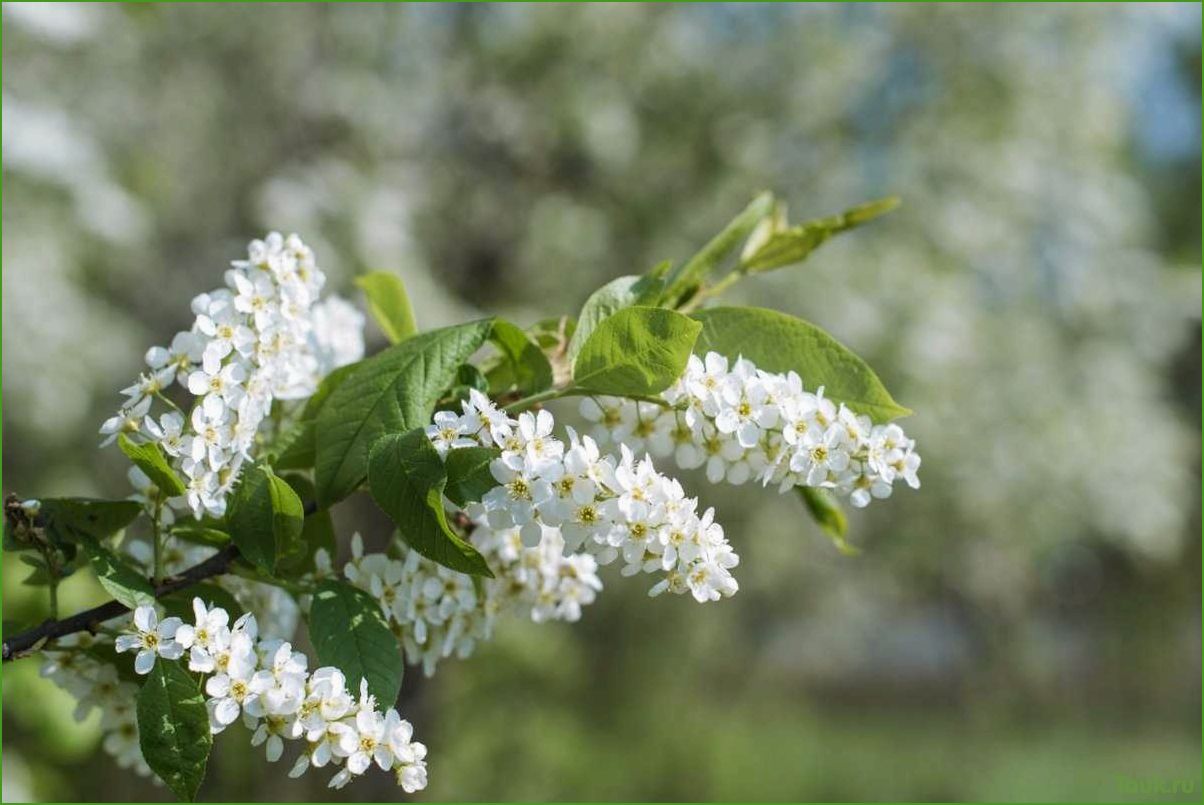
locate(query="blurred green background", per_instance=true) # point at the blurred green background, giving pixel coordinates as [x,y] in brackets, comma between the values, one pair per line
[1026,627]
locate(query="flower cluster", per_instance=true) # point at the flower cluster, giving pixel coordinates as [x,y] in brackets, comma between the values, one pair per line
[74,663]
[262,337]
[96,684]
[268,684]
[610,508]
[558,512]
[743,423]
[437,612]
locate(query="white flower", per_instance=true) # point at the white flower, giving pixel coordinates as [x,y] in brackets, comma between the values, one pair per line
[408,755]
[148,385]
[605,412]
[226,332]
[451,430]
[230,687]
[539,448]
[821,453]
[209,634]
[363,742]
[254,296]
[317,754]
[746,413]
[496,425]
[220,384]
[281,683]
[708,581]
[168,432]
[127,421]
[150,639]
[326,702]
[389,588]
[270,732]
[186,349]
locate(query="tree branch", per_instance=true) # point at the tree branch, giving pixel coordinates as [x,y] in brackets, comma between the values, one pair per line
[88,620]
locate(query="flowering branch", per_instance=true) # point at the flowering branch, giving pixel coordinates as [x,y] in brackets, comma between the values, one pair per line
[218,564]
[88,620]
[280,384]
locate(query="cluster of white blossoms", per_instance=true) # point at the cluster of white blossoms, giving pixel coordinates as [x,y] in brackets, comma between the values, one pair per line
[557,513]
[75,664]
[262,337]
[97,685]
[436,612]
[743,423]
[267,683]
[597,504]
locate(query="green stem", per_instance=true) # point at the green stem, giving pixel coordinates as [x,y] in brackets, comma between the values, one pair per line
[54,596]
[536,399]
[730,279]
[157,542]
[164,399]
[555,394]
[50,559]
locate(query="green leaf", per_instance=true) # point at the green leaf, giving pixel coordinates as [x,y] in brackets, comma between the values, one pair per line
[468,475]
[637,351]
[173,728]
[698,267]
[389,304]
[468,377]
[317,533]
[121,579]
[659,271]
[296,452]
[527,363]
[829,516]
[349,632]
[612,297]
[775,245]
[201,535]
[67,518]
[149,458]
[407,479]
[392,392]
[777,342]
[266,518]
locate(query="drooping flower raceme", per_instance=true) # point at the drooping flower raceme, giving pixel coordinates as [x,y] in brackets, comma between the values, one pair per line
[557,513]
[742,423]
[96,685]
[262,337]
[268,684]
[606,507]
[203,644]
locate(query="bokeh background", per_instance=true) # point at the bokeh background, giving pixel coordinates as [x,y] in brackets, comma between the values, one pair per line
[1027,626]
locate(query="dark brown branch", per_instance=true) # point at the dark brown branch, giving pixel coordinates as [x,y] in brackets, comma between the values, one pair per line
[89,620]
